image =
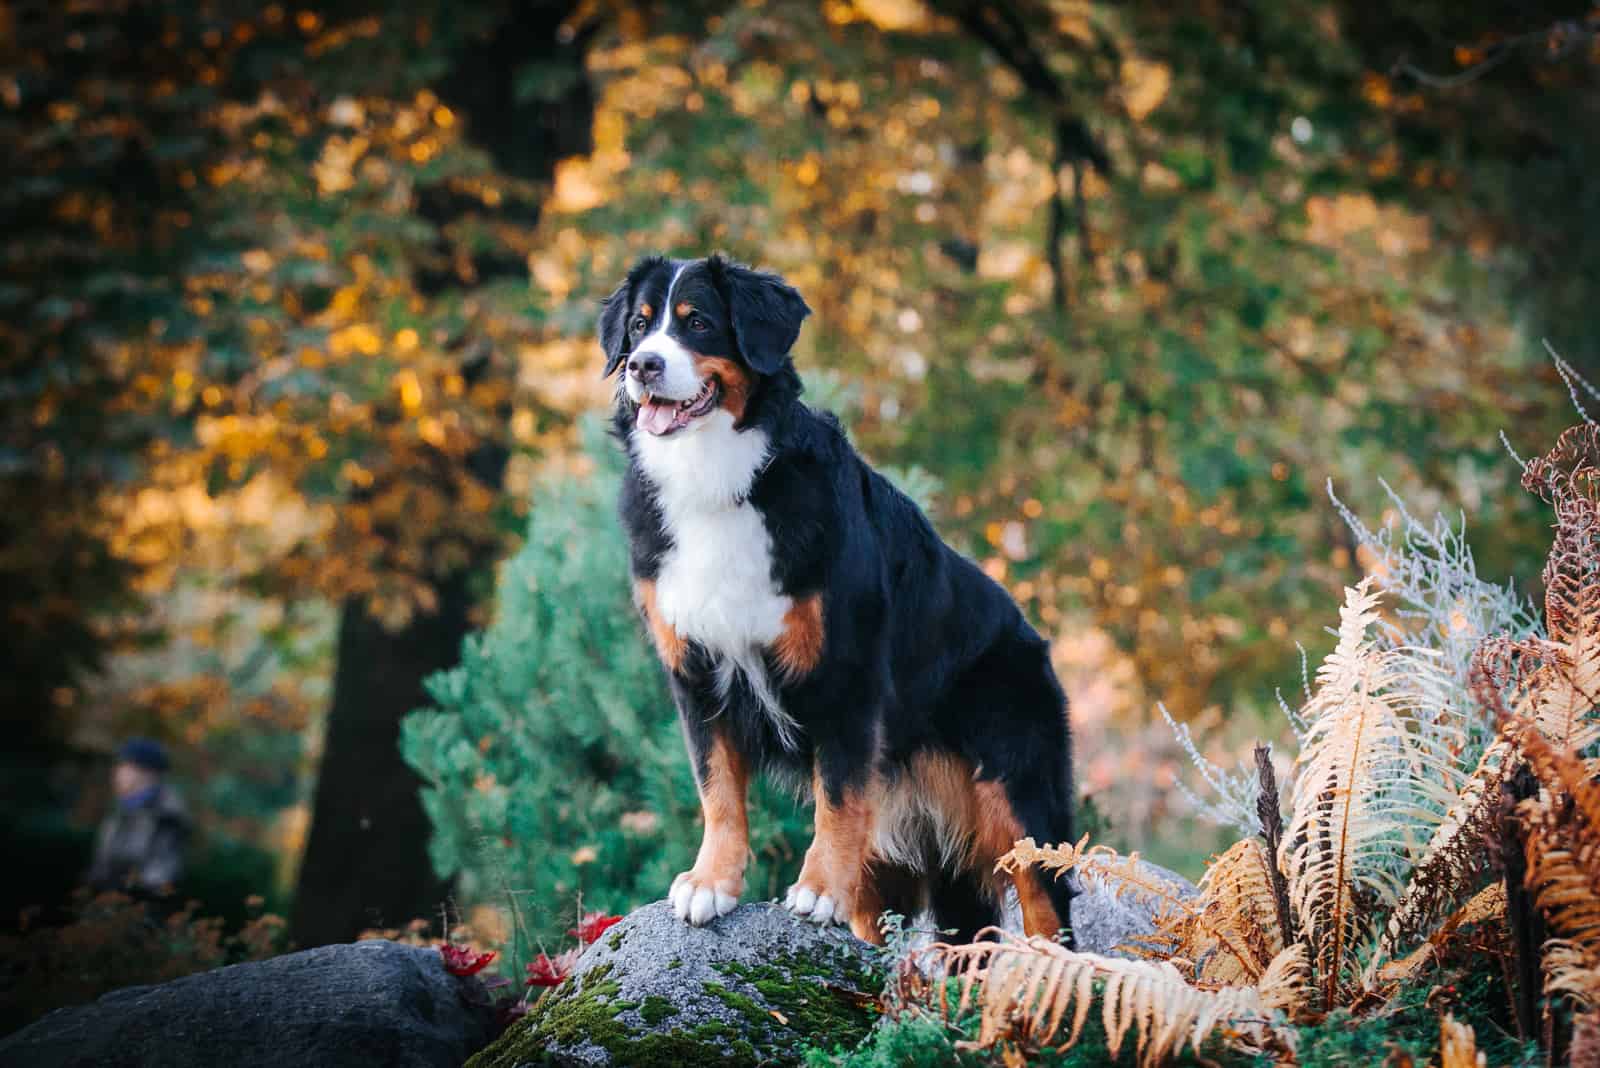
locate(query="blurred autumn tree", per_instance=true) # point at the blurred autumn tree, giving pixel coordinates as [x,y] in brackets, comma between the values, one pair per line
[284,286]
[257,256]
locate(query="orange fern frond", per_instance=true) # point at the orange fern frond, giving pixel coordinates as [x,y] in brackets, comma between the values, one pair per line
[1222,928]
[1458,1045]
[1487,906]
[1573,970]
[1024,989]
[1288,984]
[1232,932]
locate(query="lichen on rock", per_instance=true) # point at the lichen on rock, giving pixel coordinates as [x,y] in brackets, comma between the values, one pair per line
[751,988]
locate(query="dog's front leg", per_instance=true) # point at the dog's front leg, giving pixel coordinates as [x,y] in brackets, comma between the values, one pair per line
[829,887]
[712,887]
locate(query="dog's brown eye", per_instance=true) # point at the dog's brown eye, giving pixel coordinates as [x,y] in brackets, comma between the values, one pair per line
[639,323]
[697,324]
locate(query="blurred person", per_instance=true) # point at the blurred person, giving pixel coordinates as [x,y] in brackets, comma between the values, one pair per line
[140,844]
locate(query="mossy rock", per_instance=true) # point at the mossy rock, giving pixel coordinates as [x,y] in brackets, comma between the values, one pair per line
[751,988]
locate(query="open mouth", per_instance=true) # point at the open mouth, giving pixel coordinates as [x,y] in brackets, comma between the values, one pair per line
[662,417]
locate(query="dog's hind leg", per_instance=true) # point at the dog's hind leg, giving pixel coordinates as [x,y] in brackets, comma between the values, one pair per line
[964,902]
[885,887]
[1022,750]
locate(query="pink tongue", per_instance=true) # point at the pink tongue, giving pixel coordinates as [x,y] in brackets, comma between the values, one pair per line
[657,418]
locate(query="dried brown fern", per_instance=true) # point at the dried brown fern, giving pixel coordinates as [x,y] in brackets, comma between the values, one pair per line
[1233,935]
[1287,985]
[1488,906]
[1025,989]
[1453,861]
[1585,1049]
[1554,682]
[1458,1045]
[1219,930]
[1124,876]
[1388,834]
[1563,846]
[1358,770]
[1573,970]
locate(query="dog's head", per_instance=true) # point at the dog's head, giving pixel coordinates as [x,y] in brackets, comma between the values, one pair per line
[696,336]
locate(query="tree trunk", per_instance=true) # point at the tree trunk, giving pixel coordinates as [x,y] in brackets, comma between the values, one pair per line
[366,860]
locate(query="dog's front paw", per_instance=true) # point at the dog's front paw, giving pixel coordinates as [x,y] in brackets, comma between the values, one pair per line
[698,899]
[816,904]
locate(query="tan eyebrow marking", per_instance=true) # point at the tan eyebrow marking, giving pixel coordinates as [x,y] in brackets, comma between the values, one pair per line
[684,308]
[646,310]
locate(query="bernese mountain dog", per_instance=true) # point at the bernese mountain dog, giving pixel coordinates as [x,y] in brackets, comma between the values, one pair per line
[813,626]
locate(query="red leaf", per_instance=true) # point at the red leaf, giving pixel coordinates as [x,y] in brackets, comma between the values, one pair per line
[592,926]
[548,971]
[462,960]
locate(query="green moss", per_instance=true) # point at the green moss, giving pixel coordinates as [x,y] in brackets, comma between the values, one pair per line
[674,964]
[1409,1026]
[572,1013]
[794,987]
[655,1009]
[615,941]
[776,1006]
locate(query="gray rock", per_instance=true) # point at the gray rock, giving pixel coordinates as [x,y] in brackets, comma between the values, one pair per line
[377,1003]
[1101,921]
[747,989]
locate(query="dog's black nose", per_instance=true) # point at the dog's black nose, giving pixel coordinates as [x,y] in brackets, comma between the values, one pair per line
[646,367]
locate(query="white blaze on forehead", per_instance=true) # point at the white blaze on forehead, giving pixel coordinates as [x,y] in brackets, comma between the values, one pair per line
[678,379]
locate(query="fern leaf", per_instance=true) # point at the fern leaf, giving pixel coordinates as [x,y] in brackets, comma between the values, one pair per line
[1287,984]
[1355,789]
[1232,933]
[1230,927]
[1487,906]
[1454,857]
[1563,843]
[1024,989]
[1458,1045]
[1572,970]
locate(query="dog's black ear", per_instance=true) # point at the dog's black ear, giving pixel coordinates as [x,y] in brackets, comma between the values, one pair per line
[614,314]
[766,312]
[614,326]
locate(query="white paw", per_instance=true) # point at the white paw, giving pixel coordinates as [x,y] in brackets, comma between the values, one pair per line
[806,902]
[697,903]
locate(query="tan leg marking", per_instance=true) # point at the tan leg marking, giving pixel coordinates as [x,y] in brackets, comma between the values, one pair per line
[712,887]
[869,906]
[799,648]
[830,878]
[670,645]
[736,383]
[996,830]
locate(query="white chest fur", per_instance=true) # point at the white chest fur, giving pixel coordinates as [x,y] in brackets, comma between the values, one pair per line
[715,584]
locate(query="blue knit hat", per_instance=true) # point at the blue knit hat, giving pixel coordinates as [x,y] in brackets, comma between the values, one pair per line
[146,753]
